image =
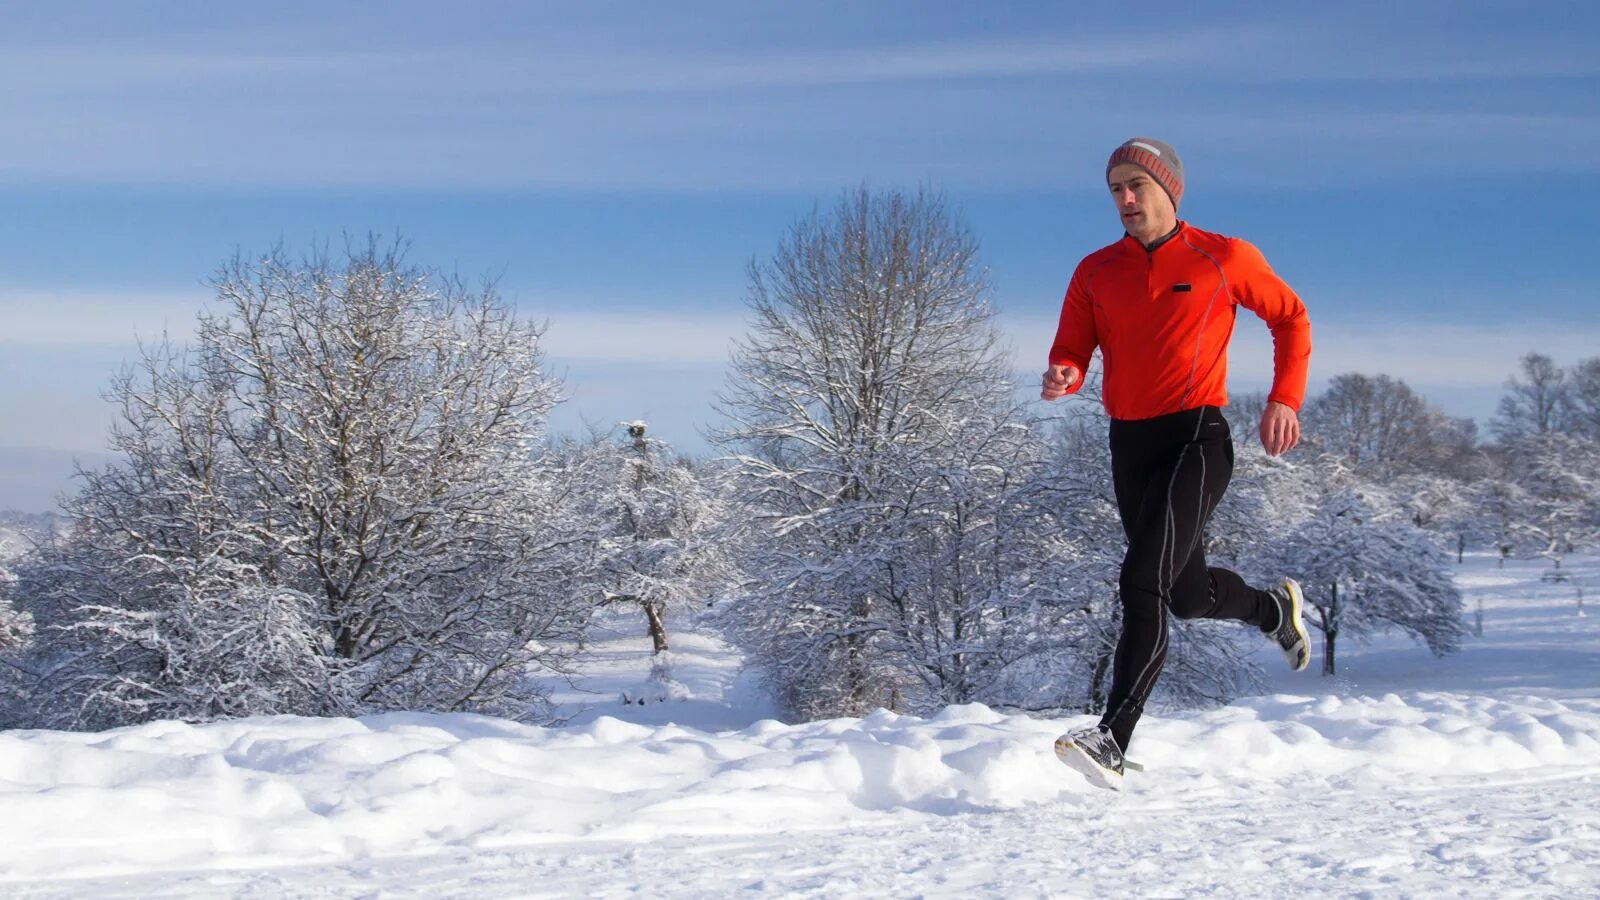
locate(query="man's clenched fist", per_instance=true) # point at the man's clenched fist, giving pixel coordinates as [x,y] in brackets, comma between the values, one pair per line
[1058,380]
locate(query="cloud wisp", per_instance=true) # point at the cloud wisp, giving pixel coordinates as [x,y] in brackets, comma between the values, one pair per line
[95,319]
[552,106]
[657,338]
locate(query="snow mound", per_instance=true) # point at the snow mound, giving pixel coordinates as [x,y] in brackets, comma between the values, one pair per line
[278,791]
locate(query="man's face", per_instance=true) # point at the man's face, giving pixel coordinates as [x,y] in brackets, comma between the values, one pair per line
[1144,207]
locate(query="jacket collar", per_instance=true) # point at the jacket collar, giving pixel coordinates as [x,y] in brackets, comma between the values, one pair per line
[1155,245]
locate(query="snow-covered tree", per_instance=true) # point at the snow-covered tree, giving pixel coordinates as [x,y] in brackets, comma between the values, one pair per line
[1501,506]
[18,532]
[15,627]
[1460,513]
[877,441]
[1073,552]
[958,605]
[1381,426]
[16,633]
[1365,566]
[1244,412]
[327,504]
[1534,403]
[1559,476]
[662,540]
[1583,399]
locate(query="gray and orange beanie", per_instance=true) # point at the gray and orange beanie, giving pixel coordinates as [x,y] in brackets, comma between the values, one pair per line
[1156,157]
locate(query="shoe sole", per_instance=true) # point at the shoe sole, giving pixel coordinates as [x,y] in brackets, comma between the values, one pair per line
[1298,657]
[1080,762]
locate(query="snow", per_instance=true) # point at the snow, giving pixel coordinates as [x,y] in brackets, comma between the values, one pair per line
[1473,775]
[1533,641]
[707,688]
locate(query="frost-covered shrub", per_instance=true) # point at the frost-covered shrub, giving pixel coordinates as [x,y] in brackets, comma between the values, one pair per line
[328,503]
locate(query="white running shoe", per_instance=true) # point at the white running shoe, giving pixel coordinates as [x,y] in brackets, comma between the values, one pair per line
[1290,635]
[1094,754]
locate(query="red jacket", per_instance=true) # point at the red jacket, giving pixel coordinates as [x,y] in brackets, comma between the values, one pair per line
[1162,319]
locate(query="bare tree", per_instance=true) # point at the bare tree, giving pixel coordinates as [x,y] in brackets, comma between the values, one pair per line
[1583,398]
[1532,404]
[1380,425]
[327,505]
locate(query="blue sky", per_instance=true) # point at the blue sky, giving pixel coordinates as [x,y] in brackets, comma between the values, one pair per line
[1424,174]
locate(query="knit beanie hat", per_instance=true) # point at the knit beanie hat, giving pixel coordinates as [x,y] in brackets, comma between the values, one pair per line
[1156,157]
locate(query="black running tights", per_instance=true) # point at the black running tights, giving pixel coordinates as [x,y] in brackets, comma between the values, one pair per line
[1169,472]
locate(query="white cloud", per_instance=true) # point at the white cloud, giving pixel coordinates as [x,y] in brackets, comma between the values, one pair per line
[45,318]
[69,68]
[42,318]
[646,337]
[954,59]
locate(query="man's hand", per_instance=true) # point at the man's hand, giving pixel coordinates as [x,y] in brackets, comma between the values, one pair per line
[1280,429]
[1058,380]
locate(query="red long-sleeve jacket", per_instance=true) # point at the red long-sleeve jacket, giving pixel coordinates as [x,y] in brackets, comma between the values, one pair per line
[1162,319]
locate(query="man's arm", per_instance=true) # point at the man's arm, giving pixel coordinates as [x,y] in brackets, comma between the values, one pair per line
[1075,341]
[1257,288]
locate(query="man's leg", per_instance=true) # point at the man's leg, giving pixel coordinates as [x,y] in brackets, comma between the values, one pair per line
[1207,592]
[1161,538]
[1165,567]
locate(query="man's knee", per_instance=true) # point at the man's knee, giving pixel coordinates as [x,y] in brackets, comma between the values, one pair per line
[1149,582]
[1194,594]
[1143,596]
[1191,604]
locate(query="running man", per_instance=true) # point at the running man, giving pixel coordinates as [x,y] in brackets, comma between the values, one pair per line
[1160,305]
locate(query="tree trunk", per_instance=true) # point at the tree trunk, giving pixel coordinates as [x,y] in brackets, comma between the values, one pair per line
[1330,632]
[658,630]
[856,662]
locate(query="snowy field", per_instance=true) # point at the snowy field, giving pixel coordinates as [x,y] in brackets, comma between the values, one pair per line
[1405,775]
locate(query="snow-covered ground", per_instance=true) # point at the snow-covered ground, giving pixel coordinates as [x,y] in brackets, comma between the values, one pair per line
[1473,775]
